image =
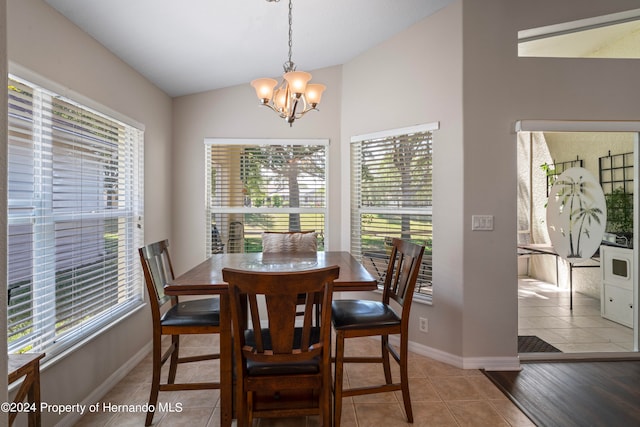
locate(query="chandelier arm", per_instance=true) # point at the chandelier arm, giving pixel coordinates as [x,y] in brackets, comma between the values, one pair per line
[306,110]
[270,106]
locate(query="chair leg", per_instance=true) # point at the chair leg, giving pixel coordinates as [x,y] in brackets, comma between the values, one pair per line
[248,413]
[338,377]
[155,380]
[385,358]
[404,378]
[173,364]
[325,400]
[241,406]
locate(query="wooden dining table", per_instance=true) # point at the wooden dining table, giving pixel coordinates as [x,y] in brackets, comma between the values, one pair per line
[206,279]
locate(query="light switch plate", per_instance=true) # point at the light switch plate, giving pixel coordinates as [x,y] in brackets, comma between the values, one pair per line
[482,222]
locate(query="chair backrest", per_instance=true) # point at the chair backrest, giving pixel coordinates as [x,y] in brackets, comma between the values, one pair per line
[158,271]
[279,340]
[402,272]
[289,241]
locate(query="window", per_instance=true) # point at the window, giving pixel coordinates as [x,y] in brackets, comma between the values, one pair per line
[391,197]
[74,212]
[259,185]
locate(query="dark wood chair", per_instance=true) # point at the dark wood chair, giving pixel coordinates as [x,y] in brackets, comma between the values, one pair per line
[363,318]
[200,316]
[283,362]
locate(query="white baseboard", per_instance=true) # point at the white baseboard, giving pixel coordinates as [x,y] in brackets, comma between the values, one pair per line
[487,363]
[73,417]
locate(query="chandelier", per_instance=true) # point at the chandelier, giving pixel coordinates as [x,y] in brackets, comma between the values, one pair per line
[294,97]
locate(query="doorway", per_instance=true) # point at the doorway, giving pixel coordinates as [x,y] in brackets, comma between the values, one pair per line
[572,306]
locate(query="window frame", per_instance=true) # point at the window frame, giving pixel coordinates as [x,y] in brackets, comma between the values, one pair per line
[130,163]
[377,267]
[214,206]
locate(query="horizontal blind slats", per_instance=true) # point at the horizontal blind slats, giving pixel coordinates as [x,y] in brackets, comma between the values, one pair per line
[253,188]
[391,196]
[75,207]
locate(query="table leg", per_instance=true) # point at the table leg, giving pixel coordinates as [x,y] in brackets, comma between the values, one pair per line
[226,363]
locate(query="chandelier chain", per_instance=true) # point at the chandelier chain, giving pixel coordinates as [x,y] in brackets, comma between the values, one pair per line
[289,66]
[294,97]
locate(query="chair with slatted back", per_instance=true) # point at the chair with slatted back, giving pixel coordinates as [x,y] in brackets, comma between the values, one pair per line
[363,318]
[283,363]
[286,242]
[174,318]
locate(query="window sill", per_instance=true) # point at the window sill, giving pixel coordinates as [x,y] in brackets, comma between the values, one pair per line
[126,313]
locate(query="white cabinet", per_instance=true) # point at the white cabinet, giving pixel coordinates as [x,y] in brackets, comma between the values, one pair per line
[616,299]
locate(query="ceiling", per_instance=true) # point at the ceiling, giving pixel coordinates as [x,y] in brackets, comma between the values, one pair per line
[191,46]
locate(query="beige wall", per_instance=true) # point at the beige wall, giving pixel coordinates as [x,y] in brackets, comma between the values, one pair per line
[415,78]
[46,43]
[500,88]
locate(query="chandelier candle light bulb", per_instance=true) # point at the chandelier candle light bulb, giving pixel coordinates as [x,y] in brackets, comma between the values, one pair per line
[264,88]
[294,97]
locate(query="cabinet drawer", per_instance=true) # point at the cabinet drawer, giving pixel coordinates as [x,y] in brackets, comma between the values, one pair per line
[617,304]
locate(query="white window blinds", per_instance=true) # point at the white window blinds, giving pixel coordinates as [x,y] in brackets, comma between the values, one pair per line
[391,196]
[75,219]
[263,185]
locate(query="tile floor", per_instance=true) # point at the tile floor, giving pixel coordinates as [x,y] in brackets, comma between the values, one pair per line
[442,395]
[543,310]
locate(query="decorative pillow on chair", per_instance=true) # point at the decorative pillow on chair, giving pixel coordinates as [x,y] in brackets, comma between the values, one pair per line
[304,241]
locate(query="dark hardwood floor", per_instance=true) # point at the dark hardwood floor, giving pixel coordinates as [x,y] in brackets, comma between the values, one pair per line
[576,393]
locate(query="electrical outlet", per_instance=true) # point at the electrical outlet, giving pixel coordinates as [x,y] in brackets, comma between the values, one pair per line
[424,324]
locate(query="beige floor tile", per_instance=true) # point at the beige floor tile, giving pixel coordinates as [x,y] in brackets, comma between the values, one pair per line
[442,395]
[455,388]
[485,387]
[421,390]
[436,414]
[577,330]
[187,417]
[132,420]
[197,398]
[371,415]
[437,389]
[348,418]
[476,414]
[97,419]
[435,368]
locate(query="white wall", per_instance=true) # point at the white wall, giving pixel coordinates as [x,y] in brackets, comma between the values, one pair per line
[234,113]
[45,42]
